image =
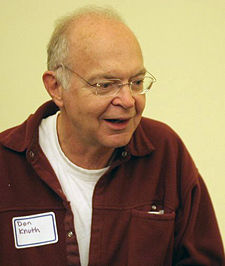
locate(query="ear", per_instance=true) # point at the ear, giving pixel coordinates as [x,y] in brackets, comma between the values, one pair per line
[53,87]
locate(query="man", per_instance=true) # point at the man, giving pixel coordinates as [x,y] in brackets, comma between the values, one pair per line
[86,179]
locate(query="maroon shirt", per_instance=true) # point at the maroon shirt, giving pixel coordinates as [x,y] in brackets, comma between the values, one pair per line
[153,172]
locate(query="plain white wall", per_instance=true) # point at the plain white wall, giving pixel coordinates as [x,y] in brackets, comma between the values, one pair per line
[183,43]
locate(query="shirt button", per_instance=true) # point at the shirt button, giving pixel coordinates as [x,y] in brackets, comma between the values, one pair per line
[124,154]
[70,234]
[31,154]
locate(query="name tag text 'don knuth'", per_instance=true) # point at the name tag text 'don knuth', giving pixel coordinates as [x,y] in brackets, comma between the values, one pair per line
[35,230]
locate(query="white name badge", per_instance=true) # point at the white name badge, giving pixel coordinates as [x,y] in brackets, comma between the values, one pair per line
[35,230]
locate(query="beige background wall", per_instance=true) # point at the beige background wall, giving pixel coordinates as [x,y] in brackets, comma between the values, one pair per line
[183,43]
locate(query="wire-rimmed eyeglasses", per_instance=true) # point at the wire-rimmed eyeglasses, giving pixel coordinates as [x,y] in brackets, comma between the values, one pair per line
[111,87]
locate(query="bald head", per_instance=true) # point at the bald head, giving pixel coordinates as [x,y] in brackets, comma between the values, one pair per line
[58,44]
[91,35]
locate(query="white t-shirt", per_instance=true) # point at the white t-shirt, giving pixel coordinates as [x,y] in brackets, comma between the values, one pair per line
[77,183]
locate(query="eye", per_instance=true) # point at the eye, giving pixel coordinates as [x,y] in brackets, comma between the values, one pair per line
[137,84]
[105,85]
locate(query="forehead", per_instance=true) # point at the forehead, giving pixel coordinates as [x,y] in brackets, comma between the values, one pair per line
[103,45]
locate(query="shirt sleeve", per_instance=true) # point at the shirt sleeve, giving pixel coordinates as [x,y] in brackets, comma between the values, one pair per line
[197,237]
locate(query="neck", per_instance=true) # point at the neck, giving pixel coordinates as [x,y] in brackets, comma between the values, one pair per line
[88,157]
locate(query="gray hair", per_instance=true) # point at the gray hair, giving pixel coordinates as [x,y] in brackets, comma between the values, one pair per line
[58,47]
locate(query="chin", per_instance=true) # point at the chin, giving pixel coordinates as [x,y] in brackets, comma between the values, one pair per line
[117,141]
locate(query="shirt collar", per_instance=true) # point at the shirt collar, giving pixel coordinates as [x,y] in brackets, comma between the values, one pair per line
[140,144]
[20,137]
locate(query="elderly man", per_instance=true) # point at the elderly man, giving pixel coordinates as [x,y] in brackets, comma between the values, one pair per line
[86,180]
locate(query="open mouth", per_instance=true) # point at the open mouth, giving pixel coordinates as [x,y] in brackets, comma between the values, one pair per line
[115,121]
[117,124]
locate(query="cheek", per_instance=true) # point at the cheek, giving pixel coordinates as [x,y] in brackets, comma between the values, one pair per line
[140,104]
[93,108]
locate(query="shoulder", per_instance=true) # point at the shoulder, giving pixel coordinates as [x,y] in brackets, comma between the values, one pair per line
[156,126]
[166,142]
[169,152]
[158,132]
[14,138]
[152,135]
[19,137]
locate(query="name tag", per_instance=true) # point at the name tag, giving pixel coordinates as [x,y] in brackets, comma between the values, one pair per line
[35,230]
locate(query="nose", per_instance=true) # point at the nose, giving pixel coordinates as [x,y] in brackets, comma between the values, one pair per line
[124,97]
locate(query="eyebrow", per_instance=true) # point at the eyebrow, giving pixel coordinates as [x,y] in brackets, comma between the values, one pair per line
[108,76]
[141,72]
